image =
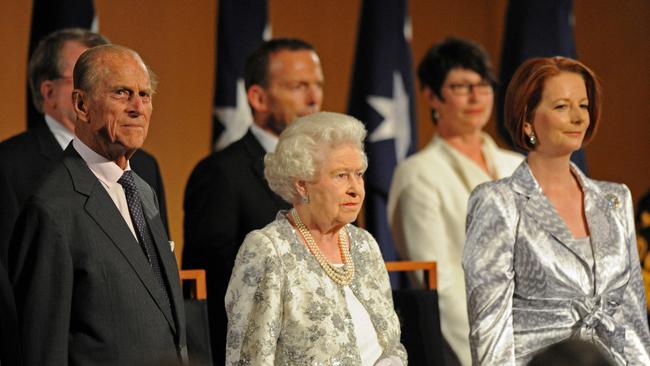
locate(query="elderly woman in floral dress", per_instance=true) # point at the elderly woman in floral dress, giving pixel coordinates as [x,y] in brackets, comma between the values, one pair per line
[310,288]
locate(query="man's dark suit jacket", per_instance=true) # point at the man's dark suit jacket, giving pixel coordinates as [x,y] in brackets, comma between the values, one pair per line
[85,292]
[226,197]
[9,346]
[26,158]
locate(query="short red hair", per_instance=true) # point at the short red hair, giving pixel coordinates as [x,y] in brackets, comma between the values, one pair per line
[525,92]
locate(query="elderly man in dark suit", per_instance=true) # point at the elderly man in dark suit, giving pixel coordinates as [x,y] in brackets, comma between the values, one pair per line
[26,158]
[95,279]
[226,196]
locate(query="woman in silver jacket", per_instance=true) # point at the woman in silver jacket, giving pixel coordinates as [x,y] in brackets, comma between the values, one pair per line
[310,288]
[551,254]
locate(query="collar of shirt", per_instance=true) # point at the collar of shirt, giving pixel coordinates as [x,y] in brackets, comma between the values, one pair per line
[108,173]
[268,140]
[62,135]
[105,170]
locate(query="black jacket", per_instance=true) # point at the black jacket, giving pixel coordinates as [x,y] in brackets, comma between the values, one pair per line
[226,198]
[85,293]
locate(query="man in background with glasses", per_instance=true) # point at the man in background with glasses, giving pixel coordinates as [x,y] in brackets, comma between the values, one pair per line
[428,198]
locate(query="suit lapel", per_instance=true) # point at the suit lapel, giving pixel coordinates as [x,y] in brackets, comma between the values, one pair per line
[452,159]
[605,227]
[167,258]
[541,210]
[467,170]
[101,208]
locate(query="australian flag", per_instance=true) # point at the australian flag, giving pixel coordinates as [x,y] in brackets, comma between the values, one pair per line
[535,28]
[51,15]
[241,27]
[382,97]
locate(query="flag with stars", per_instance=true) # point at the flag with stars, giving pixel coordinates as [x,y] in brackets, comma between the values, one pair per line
[535,28]
[49,16]
[382,98]
[241,27]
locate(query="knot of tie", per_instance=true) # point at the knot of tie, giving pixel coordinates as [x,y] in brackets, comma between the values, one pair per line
[127,182]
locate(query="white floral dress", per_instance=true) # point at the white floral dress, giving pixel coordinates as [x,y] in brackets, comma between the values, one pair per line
[283,309]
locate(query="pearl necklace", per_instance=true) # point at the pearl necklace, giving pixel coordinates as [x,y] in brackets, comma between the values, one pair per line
[342,276]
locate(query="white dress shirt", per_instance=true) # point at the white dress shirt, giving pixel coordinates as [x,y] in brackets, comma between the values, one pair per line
[62,135]
[268,140]
[364,331]
[108,174]
[367,341]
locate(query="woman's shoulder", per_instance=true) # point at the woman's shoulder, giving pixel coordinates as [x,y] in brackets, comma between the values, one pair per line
[428,162]
[521,180]
[500,187]
[499,195]
[357,232]
[600,186]
[277,235]
[361,239]
[612,195]
[609,187]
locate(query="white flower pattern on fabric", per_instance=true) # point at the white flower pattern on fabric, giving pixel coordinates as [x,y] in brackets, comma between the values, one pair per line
[283,309]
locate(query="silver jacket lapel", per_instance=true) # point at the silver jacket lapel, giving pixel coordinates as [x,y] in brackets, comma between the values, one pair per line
[606,226]
[540,209]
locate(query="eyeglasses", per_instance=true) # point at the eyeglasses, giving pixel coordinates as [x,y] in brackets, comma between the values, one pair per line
[464,89]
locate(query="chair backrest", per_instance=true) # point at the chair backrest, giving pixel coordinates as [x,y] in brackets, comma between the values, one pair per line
[196,317]
[429,269]
[419,317]
[199,291]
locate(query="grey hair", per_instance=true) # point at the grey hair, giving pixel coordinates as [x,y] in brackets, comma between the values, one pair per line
[299,151]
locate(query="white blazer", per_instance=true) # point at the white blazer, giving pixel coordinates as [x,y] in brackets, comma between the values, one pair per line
[427,205]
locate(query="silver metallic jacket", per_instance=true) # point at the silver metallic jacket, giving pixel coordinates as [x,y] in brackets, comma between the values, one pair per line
[528,286]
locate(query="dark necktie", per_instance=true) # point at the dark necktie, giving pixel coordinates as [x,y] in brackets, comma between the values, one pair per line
[141,227]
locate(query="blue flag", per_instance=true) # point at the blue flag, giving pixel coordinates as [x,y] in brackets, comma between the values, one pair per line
[49,16]
[382,98]
[241,28]
[535,28]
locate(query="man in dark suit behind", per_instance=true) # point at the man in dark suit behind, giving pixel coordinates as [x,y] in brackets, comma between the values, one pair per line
[95,279]
[226,196]
[26,158]
[10,345]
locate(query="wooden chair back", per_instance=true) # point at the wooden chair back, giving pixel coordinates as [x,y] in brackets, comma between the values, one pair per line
[429,269]
[199,291]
